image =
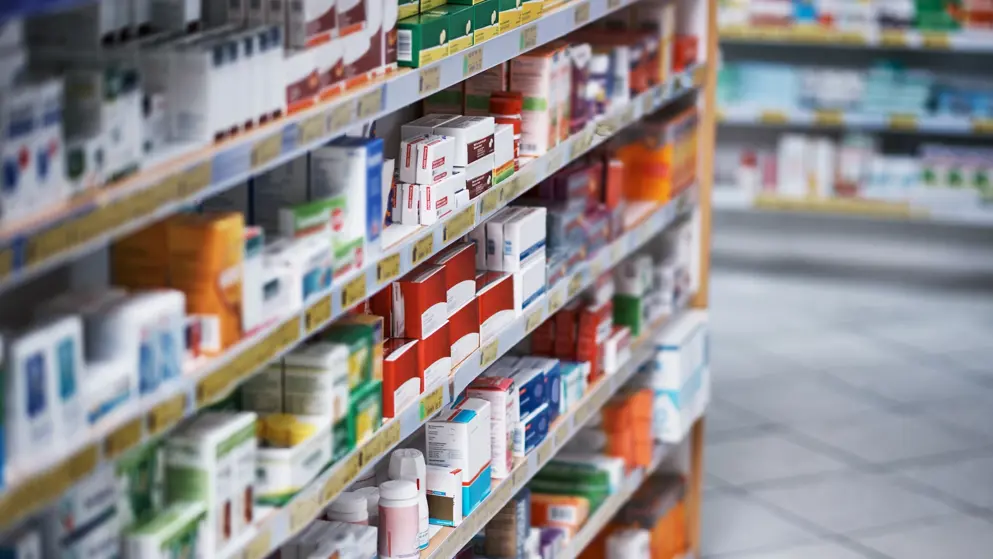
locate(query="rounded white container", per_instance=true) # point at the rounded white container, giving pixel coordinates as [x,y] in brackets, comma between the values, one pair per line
[398,520]
[371,495]
[349,507]
[408,464]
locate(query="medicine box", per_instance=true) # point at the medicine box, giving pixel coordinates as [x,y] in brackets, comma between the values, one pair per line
[315,380]
[500,393]
[415,306]
[282,472]
[473,138]
[529,283]
[463,331]
[434,358]
[486,20]
[534,430]
[173,532]
[406,204]
[83,506]
[495,293]
[503,153]
[401,381]
[460,439]
[532,388]
[408,8]
[351,16]
[422,39]
[437,200]
[460,26]
[458,261]
[425,125]
[523,238]
[310,23]
[510,15]
[553,380]
[679,375]
[444,493]
[426,159]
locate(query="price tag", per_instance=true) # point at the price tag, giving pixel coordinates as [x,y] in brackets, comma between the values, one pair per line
[596,266]
[979,126]
[380,443]
[317,314]
[195,179]
[422,249]
[582,14]
[266,149]
[312,129]
[6,263]
[557,301]
[529,37]
[371,103]
[773,117]
[342,477]
[903,122]
[699,75]
[24,498]
[829,118]
[545,452]
[613,4]
[122,439]
[472,63]
[489,354]
[353,292]
[581,143]
[431,403]
[460,224]
[555,161]
[388,269]
[341,116]
[575,285]
[893,38]
[303,510]
[491,200]
[521,476]
[430,80]
[166,414]
[937,41]
[561,435]
[260,545]
[534,320]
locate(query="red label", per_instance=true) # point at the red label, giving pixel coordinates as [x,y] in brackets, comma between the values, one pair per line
[424,157]
[442,203]
[410,198]
[427,201]
[407,164]
[438,162]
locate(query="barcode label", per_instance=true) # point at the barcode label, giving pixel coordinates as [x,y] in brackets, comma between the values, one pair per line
[405,45]
[563,514]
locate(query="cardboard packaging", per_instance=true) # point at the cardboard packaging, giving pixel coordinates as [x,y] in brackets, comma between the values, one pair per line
[473,138]
[510,15]
[310,23]
[529,283]
[406,204]
[408,8]
[535,429]
[458,261]
[444,492]
[460,439]
[315,381]
[425,125]
[681,376]
[437,200]
[426,159]
[504,162]
[459,27]
[486,18]
[463,331]
[401,383]
[495,293]
[415,306]
[422,39]
[535,75]
[350,16]
[170,533]
[478,176]
[501,394]
[434,358]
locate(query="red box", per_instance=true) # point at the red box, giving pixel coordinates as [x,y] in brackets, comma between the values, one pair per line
[422,296]
[401,378]
[613,182]
[684,52]
[434,359]
[543,339]
[463,330]
[595,326]
[495,294]
[566,325]
[459,262]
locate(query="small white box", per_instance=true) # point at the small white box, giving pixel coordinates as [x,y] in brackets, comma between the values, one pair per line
[425,125]
[473,138]
[504,414]
[680,377]
[311,22]
[444,492]
[308,263]
[282,471]
[460,439]
[478,176]
[462,198]
[263,392]
[477,235]
[406,204]
[426,159]
[495,237]
[438,200]
[524,238]
[503,153]
[529,283]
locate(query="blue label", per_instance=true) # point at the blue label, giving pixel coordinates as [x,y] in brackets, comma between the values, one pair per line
[168,355]
[147,377]
[66,354]
[34,368]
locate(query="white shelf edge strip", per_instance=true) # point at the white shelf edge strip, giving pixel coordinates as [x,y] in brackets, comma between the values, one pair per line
[164,188]
[961,41]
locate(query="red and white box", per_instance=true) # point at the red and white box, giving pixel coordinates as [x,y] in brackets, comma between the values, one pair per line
[438,200]
[406,204]
[413,307]
[401,381]
[426,159]
[504,415]
[495,293]
[463,330]
[616,350]
[459,261]
[434,359]
[595,325]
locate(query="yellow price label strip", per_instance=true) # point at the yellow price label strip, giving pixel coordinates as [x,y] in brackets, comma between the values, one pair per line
[529,37]
[979,126]
[6,263]
[312,129]
[123,439]
[581,143]
[893,38]
[472,63]
[431,403]
[561,435]
[521,477]
[902,122]
[613,4]
[936,41]
[317,314]
[829,118]
[575,285]
[260,545]
[647,108]
[491,200]
[489,354]
[581,16]
[422,249]
[388,269]
[430,80]
[166,414]
[380,443]
[267,149]
[341,478]
[303,510]
[556,301]
[371,103]
[534,320]
[460,224]
[26,497]
[773,117]
[195,179]
[556,160]
[545,452]
[353,292]
[341,116]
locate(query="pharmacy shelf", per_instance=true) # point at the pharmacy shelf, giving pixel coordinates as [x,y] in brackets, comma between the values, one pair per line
[957,41]
[895,122]
[278,525]
[728,198]
[447,542]
[208,381]
[14,9]
[32,246]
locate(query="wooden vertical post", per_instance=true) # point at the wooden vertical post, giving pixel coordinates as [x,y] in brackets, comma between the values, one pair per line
[705,150]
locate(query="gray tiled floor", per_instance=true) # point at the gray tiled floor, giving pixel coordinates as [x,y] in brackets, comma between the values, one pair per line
[850,420]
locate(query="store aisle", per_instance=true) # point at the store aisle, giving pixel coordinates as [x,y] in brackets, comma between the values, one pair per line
[851,418]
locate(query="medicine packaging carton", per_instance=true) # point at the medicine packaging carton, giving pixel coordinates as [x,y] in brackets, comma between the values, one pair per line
[447,101]
[306,262]
[460,26]
[297,449]
[523,239]
[211,460]
[494,240]
[507,533]
[500,393]
[478,176]
[534,429]
[365,413]
[414,306]
[588,468]
[473,138]
[408,8]
[351,16]
[262,393]
[83,506]
[425,125]
[532,386]
[426,159]
[631,542]
[329,62]
[406,204]
[486,19]
[444,492]
[362,52]
[510,15]
[173,532]
[463,331]
[529,283]
[534,75]
[680,376]
[504,163]
[93,540]
[562,511]
[401,381]
[422,39]
[437,200]
[310,23]
[458,261]
[315,380]
[617,350]
[358,339]
[373,324]
[477,236]
[460,439]
[531,10]
[434,358]
[495,293]
[553,380]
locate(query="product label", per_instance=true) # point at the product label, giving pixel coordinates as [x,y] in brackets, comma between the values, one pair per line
[479,149]
[460,294]
[433,318]
[464,346]
[480,184]
[437,373]
[404,396]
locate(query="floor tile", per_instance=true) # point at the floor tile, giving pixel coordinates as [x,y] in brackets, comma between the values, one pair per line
[910,382]
[765,458]
[893,439]
[829,350]
[956,536]
[732,524]
[930,337]
[724,417]
[974,414]
[968,480]
[847,502]
[826,550]
[796,400]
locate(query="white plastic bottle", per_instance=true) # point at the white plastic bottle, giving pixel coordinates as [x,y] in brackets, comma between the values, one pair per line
[408,464]
[371,495]
[349,507]
[398,504]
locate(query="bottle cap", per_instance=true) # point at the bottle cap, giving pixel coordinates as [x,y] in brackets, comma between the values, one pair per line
[398,490]
[349,503]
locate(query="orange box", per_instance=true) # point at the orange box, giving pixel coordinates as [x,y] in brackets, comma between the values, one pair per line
[568,512]
[463,330]
[613,182]
[422,297]
[495,293]
[401,378]
[141,260]
[434,359]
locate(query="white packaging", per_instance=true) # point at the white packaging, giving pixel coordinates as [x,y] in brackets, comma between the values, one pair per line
[477,235]
[473,137]
[101,541]
[50,187]
[437,200]
[262,393]
[500,393]
[634,276]
[82,504]
[680,377]
[425,125]
[630,543]
[462,198]
[791,177]
[308,263]
[461,439]
[444,494]
[309,540]
[315,380]
[503,151]
[310,23]
[348,507]
[299,86]
[176,15]
[169,533]
[284,471]
[495,237]
[19,119]
[478,176]
[406,204]
[398,520]
[616,350]
[408,464]
[524,238]
[529,283]
[426,159]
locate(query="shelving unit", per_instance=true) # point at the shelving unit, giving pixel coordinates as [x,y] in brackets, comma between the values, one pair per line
[812,35]
[44,243]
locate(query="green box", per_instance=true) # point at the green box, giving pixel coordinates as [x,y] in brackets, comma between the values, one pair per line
[510,15]
[465,2]
[408,8]
[422,39]
[365,412]
[460,26]
[486,20]
[358,339]
[629,311]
